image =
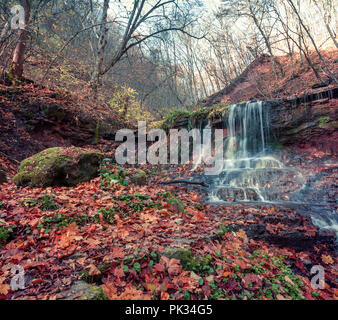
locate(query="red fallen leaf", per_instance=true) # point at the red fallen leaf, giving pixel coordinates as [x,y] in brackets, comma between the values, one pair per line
[242,265]
[159,268]
[194,197]
[233,285]
[18,211]
[270,228]
[174,267]
[109,289]
[327,259]
[118,272]
[118,253]
[335,292]
[4,289]
[66,252]
[93,270]
[37,281]
[81,261]
[92,228]
[227,274]
[164,212]
[92,243]
[253,280]
[165,296]
[33,223]
[131,293]
[300,266]
[199,215]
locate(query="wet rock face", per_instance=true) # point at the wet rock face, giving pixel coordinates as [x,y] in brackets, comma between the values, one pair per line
[309,119]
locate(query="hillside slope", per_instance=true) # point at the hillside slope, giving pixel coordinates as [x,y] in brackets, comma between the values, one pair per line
[34,118]
[260,82]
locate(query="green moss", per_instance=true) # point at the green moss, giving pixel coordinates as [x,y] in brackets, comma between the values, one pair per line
[12,78]
[174,115]
[139,177]
[184,255]
[225,228]
[10,74]
[108,215]
[94,293]
[199,115]
[33,170]
[322,121]
[23,178]
[196,116]
[40,158]
[6,233]
[219,110]
[201,265]
[171,199]
[54,167]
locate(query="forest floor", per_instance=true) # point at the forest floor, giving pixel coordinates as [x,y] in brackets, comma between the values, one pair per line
[153,242]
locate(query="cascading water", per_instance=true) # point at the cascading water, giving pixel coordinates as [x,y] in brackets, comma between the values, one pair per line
[252,173]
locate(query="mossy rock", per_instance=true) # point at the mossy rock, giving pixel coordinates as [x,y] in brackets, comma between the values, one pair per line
[58,167]
[89,292]
[138,177]
[184,255]
[187,260]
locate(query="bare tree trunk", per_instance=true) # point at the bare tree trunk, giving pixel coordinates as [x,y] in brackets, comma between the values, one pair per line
[313,41]
[327,20]
[332,35]
[19,51]
[95,80]
[274,60]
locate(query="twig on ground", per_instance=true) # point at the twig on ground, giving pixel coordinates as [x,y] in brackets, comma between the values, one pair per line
[201,183]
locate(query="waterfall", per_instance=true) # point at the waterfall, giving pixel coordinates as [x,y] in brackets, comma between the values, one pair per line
[250,172]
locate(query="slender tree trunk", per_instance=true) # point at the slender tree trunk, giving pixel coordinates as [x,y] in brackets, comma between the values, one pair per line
[313,41]
[274,60]
[327,20]
[332,35]
[20,49]
[95,80]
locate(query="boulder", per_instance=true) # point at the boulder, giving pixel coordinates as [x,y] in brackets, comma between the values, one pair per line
[138,177]
[58,167]
[81,290]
